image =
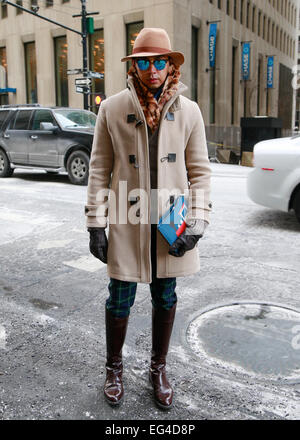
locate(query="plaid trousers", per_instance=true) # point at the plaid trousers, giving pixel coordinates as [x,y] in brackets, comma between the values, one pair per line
[122,293]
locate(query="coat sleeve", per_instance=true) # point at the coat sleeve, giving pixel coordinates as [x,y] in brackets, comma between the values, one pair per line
[198,170]
[100,169]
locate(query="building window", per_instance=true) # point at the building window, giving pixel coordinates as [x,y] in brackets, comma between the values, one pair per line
[241,11]
[233,82]
[132,31]
[248,14]
[3,64]
[234,9]
[3,11]
[30,69]
[96,58]
[49,3]
[228,7]
[61,67]
[285,9]
[259,81]
[259,23]
[220,4]
[253,18]
[194,63]
[19,11]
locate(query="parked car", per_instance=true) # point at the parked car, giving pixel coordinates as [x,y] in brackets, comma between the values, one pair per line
[275,180]
[51,138]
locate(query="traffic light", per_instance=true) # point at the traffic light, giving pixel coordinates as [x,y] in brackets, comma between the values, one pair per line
[90,25]
[99,97]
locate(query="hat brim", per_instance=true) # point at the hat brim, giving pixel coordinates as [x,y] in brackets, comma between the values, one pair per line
[177,57]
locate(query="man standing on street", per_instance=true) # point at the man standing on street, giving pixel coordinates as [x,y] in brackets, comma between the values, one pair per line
[149,139]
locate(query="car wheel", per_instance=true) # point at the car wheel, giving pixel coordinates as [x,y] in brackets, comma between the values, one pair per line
[5,168]
[296,205]
[78,168]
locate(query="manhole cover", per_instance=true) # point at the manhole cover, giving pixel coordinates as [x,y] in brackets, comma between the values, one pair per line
[256,339]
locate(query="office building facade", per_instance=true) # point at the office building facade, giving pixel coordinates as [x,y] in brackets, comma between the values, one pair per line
[239,54]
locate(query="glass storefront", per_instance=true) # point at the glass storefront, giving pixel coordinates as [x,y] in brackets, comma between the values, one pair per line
[61,67]
[132,31]
[3,64]
[30,69]
[96,45]
[194,64]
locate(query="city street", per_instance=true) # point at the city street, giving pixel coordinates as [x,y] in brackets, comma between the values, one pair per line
[235,348]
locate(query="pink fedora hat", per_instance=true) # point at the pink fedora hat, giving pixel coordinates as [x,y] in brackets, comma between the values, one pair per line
[152,42]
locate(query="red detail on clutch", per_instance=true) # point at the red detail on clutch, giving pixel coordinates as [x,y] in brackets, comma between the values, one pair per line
[181,229]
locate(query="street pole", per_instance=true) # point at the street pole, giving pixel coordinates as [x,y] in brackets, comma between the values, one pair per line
[83,16]
[84,50]
[83,33]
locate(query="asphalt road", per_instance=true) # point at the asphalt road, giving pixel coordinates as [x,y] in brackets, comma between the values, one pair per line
[52,295]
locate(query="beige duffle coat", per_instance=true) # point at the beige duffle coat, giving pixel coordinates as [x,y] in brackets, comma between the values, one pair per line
[120,153]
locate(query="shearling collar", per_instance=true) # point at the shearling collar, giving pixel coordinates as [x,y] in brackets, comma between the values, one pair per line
[174,101]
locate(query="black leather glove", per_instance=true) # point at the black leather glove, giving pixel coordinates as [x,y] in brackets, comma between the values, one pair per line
[188,239]
[98,243]
[183,243]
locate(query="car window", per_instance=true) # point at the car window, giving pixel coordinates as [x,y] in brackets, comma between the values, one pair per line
[75,118]
[12,120]
[22,120]
[42,116]
[3,116]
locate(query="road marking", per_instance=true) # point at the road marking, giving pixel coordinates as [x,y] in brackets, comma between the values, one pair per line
[87,263]
[25,217]
[2,337]
[48,244]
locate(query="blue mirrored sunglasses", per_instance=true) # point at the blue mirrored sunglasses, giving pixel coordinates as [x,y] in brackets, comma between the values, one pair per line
[143,64]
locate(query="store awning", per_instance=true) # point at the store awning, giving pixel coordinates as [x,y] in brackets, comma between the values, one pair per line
[8,90]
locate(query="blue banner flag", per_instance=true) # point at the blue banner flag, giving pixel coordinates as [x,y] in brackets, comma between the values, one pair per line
[246,61]
[270,69]
[212,44]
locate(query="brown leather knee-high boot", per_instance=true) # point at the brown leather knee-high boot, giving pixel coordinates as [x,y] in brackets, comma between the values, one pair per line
[162,324]
[115,336]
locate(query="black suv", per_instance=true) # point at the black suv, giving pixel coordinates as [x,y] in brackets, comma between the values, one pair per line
[51,138]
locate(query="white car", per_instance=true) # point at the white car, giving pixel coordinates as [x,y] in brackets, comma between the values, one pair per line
[275,180]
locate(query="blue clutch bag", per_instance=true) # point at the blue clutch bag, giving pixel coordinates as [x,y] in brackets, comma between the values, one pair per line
[172,223]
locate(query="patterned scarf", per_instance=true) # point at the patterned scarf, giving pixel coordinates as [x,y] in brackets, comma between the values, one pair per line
[152,108]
